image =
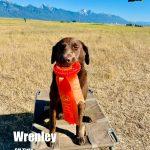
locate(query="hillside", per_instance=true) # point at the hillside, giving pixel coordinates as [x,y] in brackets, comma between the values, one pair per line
[8,9]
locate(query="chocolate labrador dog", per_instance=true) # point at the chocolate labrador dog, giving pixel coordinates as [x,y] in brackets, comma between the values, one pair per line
[64,53]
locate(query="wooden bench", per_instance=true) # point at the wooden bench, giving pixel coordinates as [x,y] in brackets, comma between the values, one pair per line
[99,132]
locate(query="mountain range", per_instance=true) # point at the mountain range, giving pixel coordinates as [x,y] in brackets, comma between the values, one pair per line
[11,10]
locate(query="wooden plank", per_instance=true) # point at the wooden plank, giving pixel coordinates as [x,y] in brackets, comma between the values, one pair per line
[44,95]
[93,110]
[97,131]
[98,134]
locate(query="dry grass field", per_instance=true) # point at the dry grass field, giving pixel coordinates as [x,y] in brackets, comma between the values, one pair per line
[119,73]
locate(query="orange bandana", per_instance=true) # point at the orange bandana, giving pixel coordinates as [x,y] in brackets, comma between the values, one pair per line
[69,90]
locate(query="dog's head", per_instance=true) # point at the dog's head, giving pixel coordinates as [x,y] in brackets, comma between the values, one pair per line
[68,50]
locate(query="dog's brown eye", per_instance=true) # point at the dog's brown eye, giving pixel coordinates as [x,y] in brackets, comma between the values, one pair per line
[75,46]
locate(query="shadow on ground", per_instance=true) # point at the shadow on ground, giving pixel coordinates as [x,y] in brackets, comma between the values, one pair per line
[14,122]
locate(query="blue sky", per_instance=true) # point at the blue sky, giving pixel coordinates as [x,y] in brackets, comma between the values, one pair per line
[137,11]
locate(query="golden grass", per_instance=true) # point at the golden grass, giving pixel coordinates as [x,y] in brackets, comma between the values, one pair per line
[119,72]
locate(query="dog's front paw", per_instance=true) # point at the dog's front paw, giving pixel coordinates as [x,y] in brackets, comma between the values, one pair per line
[50,144]
[81,140]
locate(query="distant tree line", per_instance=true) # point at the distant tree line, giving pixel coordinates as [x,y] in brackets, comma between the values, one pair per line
[133,25]
[68,21]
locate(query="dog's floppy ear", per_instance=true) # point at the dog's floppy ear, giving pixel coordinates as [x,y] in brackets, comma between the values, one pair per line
[53,56]
[87,58]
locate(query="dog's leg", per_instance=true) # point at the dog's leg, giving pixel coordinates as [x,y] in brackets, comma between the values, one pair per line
[53,108]
[52,118]
[53,104]
[52,127]
[80,129]
[59,114]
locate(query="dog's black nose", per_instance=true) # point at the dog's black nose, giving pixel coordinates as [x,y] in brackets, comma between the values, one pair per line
[68,60]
